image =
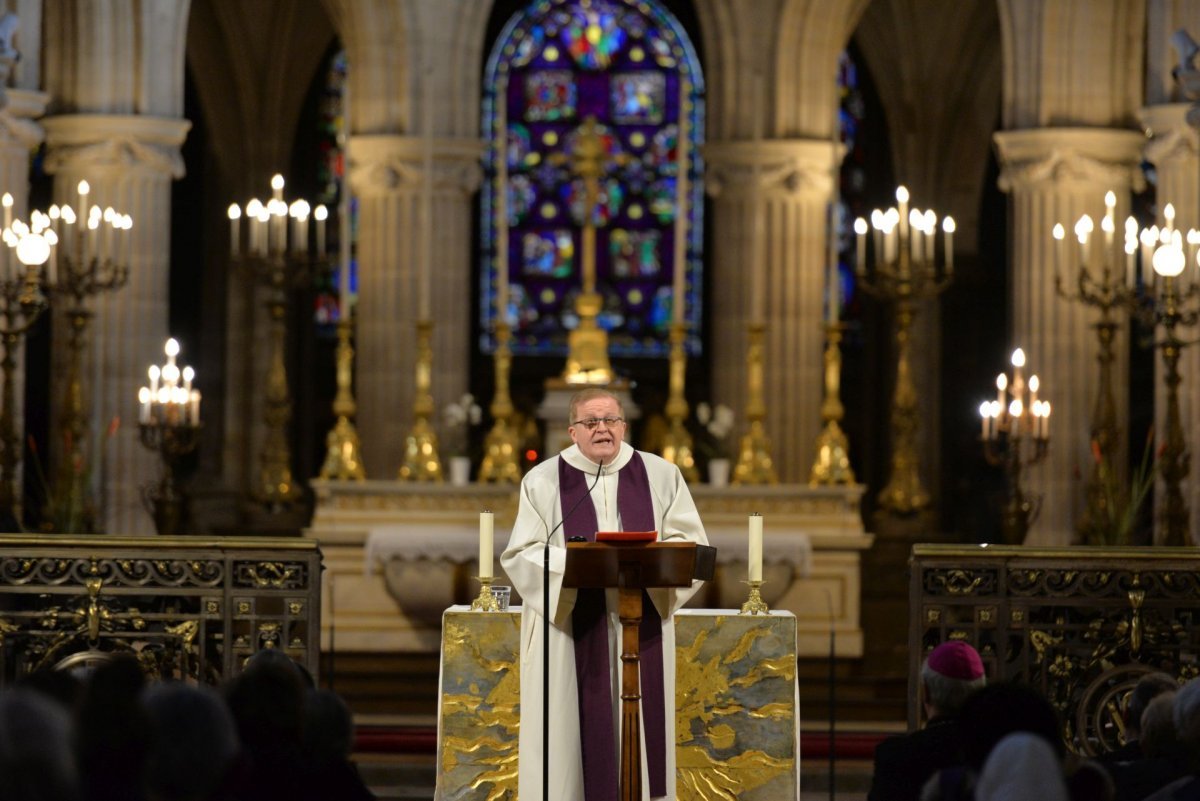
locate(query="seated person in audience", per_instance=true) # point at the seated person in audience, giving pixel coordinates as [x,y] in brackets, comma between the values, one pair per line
[194,753]
[1022,766]
[1162,759]
[1186,715]
[951,673]
[1146,689]
[36,759]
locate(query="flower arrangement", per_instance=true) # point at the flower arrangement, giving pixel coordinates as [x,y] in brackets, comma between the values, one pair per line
[1121,503]
[457,420]
[716,422]
[71,505]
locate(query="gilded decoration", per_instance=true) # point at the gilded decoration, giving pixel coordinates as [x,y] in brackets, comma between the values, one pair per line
[735,715]
[480,706]
[67,602]
[1083,623]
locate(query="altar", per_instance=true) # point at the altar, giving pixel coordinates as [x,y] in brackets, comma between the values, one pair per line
[398,554]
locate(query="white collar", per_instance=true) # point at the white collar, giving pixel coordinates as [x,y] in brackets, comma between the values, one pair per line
[576,459]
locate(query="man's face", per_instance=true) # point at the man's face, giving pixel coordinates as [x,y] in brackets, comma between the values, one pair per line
[600,444]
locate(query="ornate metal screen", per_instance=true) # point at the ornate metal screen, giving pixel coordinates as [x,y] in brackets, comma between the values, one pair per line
[1080,624]
[186,608]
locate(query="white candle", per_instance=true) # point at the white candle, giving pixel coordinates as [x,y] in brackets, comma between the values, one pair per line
[902,201]
[144,400]
[194,404]
[502,202]
[321,214]
[756,541]
[1110,224]
[425,269]
[860,246]
[486,524]
[277,187]
[948,229]
[235,228]
[681,203]
[984,410]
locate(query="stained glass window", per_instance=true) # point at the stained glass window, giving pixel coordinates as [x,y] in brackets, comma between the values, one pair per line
[331,183]
[628,64]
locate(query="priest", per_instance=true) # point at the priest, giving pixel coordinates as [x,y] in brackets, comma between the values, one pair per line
[599,483]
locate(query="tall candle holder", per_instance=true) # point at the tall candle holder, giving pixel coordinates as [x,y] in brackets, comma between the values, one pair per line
[677,444]
[1167,303]
[421,459]
[1016,434]
[905,271]
[501,457]
[1112,291]
[21,305]
[90,256]
[754,464]
[278,253]
[169,425]
[343,450]
[832,463]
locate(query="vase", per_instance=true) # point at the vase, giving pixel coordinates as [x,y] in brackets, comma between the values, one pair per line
[460,470]
[718,472]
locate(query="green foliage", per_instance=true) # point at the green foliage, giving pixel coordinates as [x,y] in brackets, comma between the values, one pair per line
[1113,514]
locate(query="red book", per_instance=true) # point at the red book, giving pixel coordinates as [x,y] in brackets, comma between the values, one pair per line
[626,536]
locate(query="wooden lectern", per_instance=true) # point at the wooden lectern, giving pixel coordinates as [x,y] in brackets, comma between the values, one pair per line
[633,568]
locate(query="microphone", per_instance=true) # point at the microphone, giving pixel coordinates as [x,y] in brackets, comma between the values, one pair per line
[546,634]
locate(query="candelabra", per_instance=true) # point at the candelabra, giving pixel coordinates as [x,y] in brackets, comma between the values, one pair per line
[21,304]
[905,272]
[169,425]
[421,459]
[501,460]
[1112,292]
[832,462]
[754,464]
[94,258]
[279,255]
[1006,427]
[1168,304]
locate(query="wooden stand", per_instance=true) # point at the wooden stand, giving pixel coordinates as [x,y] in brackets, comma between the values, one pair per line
[633,568]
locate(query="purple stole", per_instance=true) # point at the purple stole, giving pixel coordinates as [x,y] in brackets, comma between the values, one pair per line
[593,662]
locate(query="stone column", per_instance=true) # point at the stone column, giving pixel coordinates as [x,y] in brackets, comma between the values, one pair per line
[775,191]
[1173,150]
[1056,175]
[129,161]
[387,176]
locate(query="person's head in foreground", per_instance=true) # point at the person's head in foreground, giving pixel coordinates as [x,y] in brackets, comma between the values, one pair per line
[951,672]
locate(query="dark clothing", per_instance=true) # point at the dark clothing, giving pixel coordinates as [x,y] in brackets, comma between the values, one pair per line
[1138,778]
[1127,753]
[904,763]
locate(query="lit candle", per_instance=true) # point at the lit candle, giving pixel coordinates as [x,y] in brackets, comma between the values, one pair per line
[1015,408]
[84,188]
[1130,268]
[1018,382]
[948,228]
[277,187]
[756,542]
[1033,389]
[486,523]
[320,214]
[1082,228]
[1169,216]
[985,409]
[154,374]
[681,204]
[860,246]
[902,201]
[194,404]
[1045,419]
[1001,386]
[144,400]
[235,228]
[502,207]
[1109,224]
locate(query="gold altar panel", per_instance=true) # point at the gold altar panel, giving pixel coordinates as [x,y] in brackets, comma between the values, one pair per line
[736,708]
[480,706]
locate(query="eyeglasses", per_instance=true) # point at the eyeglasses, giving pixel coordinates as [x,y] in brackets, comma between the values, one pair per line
[592,423]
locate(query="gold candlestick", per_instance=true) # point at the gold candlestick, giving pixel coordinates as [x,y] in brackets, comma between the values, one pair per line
[754,604]
[832,463]
[343,451]
[501,460]
[421,459]
[21,304]
[754,465]
[486,601]
[677,445]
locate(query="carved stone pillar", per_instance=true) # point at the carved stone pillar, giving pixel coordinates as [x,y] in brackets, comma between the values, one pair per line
[1057,175]
[387,176]
[776,191]
[129,161]
[1173,150]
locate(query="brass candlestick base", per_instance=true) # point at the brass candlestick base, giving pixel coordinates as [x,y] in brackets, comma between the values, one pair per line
[486,602]
[677,444]
[421,459]
[171,442]
[832,463]
[755,605]
[754,465]
[501,458]
[343,452]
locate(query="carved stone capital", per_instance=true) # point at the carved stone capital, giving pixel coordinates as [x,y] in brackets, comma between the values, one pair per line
[1040,156]
[17,126]
[796,168]
[97,142]
[1171,134]
[391,164]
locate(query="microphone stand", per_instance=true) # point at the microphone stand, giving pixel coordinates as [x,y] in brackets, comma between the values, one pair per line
[546,637]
